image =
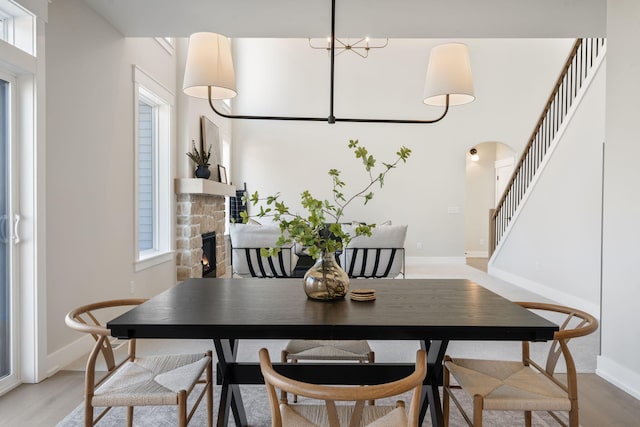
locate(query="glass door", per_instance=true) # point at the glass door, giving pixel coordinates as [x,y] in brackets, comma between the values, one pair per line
[8,225]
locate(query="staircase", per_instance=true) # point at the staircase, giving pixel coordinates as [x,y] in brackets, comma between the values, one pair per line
[584,59]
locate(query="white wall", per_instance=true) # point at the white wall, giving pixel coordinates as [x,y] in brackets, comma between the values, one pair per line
[90,163]
[289,78]
[619,362]
[554,245]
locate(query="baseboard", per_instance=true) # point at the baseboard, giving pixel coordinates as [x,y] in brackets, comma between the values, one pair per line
[68,354]
[477,254]
[546,291]
[618,375]
[419,260]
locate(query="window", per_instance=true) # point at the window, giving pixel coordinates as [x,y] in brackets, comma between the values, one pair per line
[153,115]
[147,122]
[17,26]
[167,43]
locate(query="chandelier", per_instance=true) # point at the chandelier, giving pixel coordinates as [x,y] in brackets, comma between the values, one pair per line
[209,74]
[360,47]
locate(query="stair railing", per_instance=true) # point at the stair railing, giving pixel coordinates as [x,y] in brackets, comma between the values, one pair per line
[574,74]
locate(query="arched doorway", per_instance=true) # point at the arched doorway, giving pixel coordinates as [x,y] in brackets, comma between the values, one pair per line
[488,170]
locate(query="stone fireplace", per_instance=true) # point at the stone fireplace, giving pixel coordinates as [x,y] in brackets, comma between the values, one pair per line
[200,210]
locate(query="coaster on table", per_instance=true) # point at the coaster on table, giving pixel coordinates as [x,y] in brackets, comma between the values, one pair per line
[371,298]
[363,295]
[363,291]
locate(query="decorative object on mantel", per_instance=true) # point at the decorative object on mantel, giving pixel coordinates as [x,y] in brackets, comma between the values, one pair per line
[222,173]
[326,280]
[209,74]
[201,159]
[210,136]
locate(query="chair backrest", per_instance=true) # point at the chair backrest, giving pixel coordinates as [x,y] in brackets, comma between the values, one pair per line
[86,319]
[331,394]
[573,323]
[380,255]
[246,242]
[370,263]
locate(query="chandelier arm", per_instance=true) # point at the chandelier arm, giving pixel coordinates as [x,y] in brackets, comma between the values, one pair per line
[232,116]
[326,119]
[316,47]
[446,110]
[366,52]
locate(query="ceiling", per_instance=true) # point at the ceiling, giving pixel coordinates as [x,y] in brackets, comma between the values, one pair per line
[354,18]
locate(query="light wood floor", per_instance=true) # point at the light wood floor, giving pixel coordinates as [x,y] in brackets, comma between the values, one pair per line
[46,403]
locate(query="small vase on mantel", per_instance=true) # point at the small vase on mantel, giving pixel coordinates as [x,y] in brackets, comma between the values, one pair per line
[202,171]
[326,280]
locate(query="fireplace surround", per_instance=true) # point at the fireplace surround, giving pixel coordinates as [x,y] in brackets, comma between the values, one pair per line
[200,210]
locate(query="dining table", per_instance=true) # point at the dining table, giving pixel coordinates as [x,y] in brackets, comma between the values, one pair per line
[432,312]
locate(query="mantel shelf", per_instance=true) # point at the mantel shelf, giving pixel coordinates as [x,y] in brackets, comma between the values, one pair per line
[203,186]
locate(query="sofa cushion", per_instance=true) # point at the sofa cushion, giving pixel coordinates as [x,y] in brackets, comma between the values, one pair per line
[384,237]
[254,237]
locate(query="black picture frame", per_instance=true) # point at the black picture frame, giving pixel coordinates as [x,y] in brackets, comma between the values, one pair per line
[222,174]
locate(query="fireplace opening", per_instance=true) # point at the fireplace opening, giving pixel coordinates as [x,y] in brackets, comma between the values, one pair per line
[209,254]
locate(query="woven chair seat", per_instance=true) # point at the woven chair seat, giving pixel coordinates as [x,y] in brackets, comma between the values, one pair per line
[138,381]
[507,385]
[151,380]
[316,415]
[524,385]
[328,350]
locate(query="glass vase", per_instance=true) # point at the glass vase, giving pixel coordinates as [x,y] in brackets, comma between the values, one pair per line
[326,280]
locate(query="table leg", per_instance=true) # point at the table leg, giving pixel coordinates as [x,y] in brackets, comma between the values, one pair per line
[430,395]
[230,398]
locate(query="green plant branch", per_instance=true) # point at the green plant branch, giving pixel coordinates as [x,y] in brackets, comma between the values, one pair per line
[380,179]
[199,157]
[311,231]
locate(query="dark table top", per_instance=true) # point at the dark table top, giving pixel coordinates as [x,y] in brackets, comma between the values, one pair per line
[451,309]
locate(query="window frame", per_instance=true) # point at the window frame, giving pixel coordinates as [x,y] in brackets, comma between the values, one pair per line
[14,262]
[19,26]
[163,102]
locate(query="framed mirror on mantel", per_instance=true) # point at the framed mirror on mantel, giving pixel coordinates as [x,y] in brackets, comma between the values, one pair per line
[203,186]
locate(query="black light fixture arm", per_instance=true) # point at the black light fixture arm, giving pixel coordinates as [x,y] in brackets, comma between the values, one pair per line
[331,119]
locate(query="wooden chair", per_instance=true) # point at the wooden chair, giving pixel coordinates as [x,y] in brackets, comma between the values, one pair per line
[138,381]
[521,385]
[347,350]
[332,415]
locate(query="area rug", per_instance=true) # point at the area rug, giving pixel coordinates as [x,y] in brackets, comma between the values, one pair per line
[258,415]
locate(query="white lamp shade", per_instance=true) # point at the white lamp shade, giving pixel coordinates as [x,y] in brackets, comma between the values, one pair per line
[449,73]
[209,63]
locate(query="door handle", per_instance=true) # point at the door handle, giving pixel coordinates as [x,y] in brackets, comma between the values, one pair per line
[16,229]
[4,231]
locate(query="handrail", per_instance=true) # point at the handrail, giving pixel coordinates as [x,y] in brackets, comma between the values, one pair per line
[574,73]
